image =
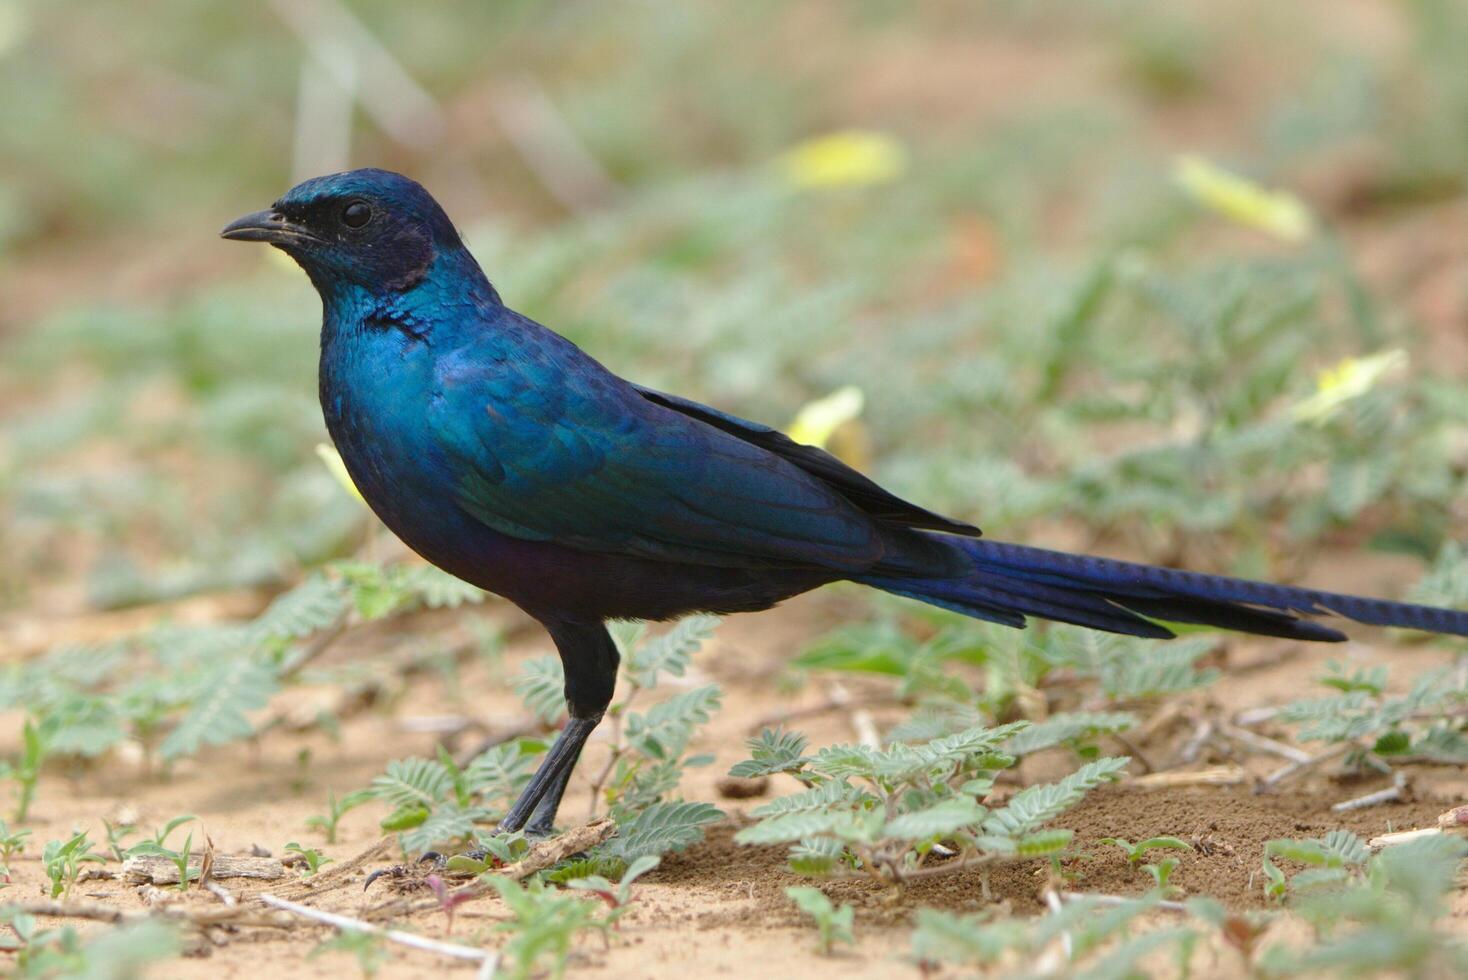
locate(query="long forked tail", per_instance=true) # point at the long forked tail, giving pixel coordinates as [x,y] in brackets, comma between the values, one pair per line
[1009,582]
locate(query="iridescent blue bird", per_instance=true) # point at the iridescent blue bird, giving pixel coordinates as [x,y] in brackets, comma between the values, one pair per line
[502,453]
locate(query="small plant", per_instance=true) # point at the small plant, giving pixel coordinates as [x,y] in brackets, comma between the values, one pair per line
[1376,920]
[335,810]
[448,900]
[1136,853]
[1161,872]
[544,924]
[1423,723]
[1329,861]
[906,800]
[63,862]
[619,896]
[312,859]
[11,843]
[116,834]
[832,924]
[157,846]
[26,770]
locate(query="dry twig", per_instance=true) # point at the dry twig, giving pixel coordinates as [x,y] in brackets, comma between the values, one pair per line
[1400,789]
[348,924]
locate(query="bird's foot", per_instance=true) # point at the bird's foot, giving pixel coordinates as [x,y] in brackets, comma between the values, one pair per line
[411,877]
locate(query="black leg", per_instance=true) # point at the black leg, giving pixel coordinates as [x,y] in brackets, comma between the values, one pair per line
[543,820]
[590,660]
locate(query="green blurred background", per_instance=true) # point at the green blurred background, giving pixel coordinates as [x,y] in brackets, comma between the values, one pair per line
[970,211]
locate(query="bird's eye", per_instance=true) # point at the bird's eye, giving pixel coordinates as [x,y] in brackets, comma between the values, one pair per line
[356,214]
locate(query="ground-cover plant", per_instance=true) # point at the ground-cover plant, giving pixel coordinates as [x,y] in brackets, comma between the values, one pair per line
[1370,916]
[63,861]
[179,689]
[1084,938]
[1374,728]
[881,812]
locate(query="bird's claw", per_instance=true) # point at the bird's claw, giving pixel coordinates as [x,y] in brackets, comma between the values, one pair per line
[438,860]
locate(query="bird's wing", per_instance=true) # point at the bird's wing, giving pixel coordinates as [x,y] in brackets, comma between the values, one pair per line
[545,444]
[864,493]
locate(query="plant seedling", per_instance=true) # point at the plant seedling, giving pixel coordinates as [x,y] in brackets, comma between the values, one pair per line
[1135,853]
[63,860]
[833,924]
[617,896]
[335,810]
[11,843]
[310,857]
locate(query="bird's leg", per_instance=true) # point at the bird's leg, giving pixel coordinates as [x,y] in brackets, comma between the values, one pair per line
[590,660]
[543,794]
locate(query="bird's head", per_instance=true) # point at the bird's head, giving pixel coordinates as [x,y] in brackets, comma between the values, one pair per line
[369,228]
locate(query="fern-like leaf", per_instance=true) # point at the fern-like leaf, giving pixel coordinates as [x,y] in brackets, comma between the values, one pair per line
[663,827]
[542,686]
[1034,806]
[670,652]
[218,715]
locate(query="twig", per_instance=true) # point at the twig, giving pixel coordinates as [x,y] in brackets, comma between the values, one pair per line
[1402,837]
[550,147]
[1263,743]
[1135,752]
[1295,768]
[211,915]
[1399,790]
[1256,716]
[865,727]
[1194,745]
[220,892]
[387,92]
[1052,902]
[159,870]
[349,924]
[600,779]
[319,644]
[1163,904]
[1217,776]
[838,699]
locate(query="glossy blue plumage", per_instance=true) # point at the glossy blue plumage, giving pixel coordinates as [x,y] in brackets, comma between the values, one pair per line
[501,452]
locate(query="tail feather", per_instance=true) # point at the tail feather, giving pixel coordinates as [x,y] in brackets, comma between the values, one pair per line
[1010,581]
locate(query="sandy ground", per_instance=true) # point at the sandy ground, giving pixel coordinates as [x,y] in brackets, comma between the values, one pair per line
[717,908]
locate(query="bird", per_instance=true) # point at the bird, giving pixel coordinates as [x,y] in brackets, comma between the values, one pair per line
[505,455]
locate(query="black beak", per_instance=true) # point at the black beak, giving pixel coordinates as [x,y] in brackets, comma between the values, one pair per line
[265,226]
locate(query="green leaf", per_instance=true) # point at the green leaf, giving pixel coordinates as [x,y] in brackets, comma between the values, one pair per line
[945,817]
[218,716]
[669,653]
[822,797]
[663,827]
[315,604]
[1068,729]
[772,751]
[413,782]
[541,685]
[1034,806]
[791,827]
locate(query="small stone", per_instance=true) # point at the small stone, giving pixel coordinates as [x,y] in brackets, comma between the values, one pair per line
[739,788]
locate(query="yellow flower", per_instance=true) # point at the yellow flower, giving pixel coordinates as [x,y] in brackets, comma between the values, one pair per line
[816,421]
[1278,213]
[338,469]
[1350,378]
[848,158]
